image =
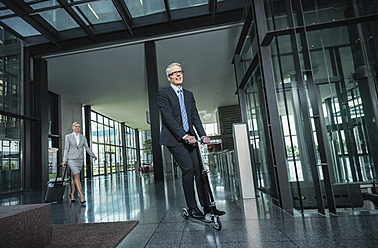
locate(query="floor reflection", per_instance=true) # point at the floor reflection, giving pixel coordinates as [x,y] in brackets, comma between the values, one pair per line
[158,207]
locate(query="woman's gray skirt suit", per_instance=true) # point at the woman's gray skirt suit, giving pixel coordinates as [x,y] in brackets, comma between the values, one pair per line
[74,153]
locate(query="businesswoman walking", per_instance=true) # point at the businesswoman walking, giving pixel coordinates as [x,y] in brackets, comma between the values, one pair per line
[74,157]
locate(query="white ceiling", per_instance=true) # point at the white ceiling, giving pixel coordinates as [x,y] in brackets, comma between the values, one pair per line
[113,80]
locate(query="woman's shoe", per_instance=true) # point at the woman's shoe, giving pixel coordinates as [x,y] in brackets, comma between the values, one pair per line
[72,198]
[83,202]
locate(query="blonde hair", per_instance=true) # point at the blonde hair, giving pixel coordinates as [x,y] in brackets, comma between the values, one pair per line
[73,124]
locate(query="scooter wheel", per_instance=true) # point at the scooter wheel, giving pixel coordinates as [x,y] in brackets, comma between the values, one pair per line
[217,224]
[185,213]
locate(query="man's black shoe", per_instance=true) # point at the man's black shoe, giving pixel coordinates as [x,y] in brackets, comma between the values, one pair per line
[207,210]
[196,213]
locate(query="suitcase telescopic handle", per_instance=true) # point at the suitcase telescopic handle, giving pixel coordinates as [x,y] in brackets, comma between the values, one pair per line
[64,174]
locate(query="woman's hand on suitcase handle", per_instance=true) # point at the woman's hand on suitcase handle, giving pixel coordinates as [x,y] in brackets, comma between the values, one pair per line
[64,164]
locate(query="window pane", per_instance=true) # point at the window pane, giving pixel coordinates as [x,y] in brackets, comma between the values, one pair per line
[178,4]
[59,19]
[20,26]
[100,119]
[44,4]
[106,121]
[99,12]
[94,132]
[100,133]
[140,8]
[6,12]
[93,116]
[112,137]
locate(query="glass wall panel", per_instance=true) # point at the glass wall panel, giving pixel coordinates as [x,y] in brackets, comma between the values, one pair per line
[11,92]
[249,49]
[317,11]
[131,148]
[10,73]
[101,159]
[371,31]
[257,126]
[10,156]
[106,138]
[292,123]
[95,167]
[145,148]
[100,128]
[367,7]
[276,12]
[326,87]
[344,90]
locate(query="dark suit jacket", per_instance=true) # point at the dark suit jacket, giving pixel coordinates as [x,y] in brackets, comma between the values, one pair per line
[172,130]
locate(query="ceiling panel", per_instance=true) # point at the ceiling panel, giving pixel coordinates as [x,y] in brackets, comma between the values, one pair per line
[62,20]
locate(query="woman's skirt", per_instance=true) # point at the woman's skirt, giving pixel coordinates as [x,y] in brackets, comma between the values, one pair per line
[75,165]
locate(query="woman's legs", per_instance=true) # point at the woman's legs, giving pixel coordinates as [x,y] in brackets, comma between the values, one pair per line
[78,186]
[73,189]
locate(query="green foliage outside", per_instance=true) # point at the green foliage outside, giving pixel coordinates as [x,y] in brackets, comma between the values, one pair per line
[9,166]
[147,146]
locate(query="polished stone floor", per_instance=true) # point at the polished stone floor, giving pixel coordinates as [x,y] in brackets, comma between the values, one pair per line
[248,223]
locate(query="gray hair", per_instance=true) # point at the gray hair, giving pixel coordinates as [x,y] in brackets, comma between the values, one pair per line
[169,67]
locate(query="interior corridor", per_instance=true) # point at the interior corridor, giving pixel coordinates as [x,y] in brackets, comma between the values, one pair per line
[248,223]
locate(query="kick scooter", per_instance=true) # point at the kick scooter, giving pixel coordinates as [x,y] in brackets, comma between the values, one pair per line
[210,218]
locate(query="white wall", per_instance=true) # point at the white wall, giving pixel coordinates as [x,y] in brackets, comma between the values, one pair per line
[69,113]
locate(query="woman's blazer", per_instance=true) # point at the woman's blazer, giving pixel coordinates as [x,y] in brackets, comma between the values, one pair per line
[74,151]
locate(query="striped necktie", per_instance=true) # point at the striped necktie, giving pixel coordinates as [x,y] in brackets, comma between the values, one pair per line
[183,111]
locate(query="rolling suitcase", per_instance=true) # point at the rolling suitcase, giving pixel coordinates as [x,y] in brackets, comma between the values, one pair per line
[55,188]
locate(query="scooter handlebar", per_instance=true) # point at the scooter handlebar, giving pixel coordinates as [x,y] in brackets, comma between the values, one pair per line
[200,140]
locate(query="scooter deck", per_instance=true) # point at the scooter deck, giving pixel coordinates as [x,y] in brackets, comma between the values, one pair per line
[203,219]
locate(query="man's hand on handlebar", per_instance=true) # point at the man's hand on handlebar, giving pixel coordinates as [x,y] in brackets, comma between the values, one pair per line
[190,140]
[205,140]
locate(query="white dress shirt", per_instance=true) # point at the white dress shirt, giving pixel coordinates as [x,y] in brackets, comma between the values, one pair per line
[77,137]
